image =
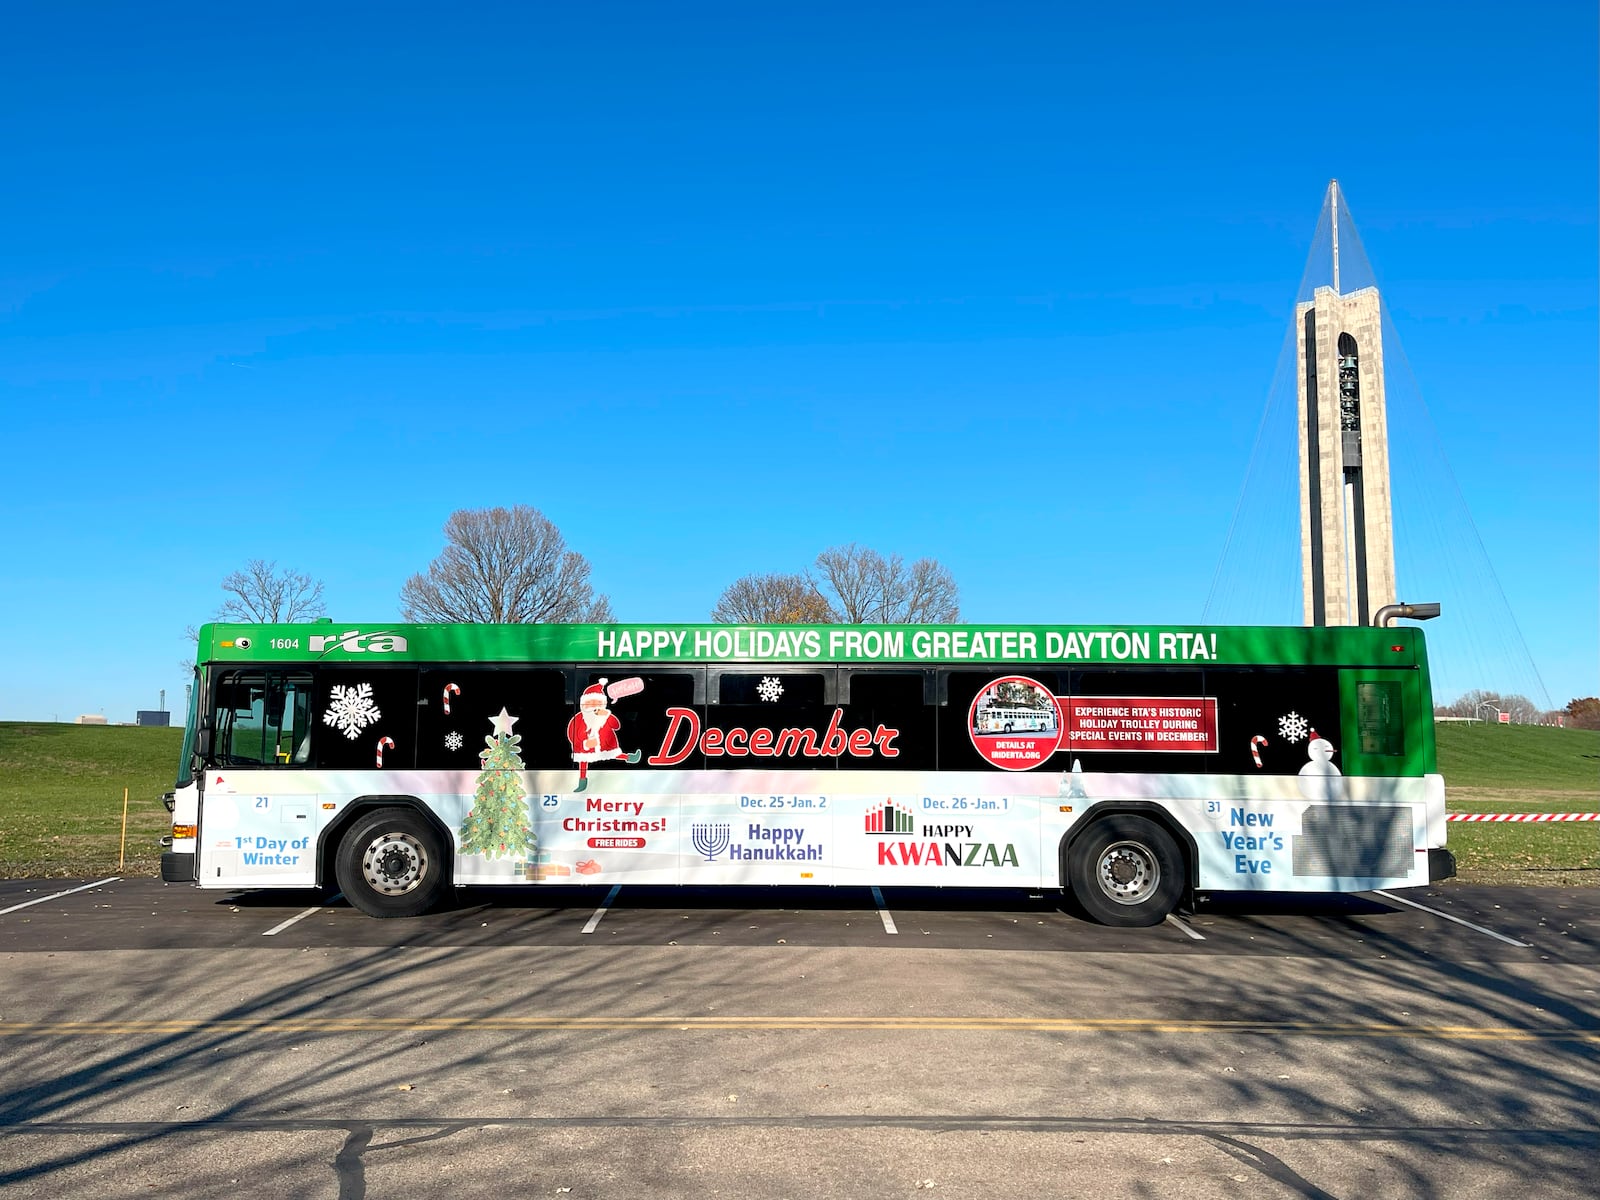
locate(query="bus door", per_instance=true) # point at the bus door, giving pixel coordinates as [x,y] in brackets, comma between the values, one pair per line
[257,823]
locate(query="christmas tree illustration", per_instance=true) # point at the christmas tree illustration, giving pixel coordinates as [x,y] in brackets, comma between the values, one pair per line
[498,824]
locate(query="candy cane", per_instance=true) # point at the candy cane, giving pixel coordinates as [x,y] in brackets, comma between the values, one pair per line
[382,742]
[449,688]
[1255,747]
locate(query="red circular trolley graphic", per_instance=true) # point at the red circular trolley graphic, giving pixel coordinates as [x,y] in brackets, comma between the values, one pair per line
[1015,723]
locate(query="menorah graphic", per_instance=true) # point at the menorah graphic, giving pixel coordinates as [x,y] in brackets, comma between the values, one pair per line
[711,840]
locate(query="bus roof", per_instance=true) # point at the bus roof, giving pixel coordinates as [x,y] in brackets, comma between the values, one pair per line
[638,644]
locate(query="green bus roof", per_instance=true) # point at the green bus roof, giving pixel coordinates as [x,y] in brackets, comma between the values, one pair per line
[991,644]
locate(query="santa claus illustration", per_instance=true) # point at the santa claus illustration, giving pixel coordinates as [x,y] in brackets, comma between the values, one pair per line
[593,732]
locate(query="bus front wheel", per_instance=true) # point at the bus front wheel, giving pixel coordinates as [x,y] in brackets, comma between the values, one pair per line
[1126,871]
[391,864]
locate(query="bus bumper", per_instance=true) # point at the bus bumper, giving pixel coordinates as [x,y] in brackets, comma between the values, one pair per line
[178,867]
[1441,864]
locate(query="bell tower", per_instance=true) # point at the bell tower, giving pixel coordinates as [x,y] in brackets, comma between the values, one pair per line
[1346,517]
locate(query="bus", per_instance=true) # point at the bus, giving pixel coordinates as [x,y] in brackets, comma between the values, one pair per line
[396,761]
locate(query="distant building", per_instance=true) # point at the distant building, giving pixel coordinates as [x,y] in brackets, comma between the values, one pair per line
[149,716]
[91,719]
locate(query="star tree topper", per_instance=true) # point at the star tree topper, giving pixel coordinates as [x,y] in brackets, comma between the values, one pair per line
[503,723]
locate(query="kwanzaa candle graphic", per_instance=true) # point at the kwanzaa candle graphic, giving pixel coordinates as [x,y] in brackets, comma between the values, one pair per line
[891,818]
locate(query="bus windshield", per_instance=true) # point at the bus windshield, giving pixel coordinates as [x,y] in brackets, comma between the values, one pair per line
[186,756]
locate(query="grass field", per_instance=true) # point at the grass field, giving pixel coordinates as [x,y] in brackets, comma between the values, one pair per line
[61,799]
[1519,756]
[1523,768]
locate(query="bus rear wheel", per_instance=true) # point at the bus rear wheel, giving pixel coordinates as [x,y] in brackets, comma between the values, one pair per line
[1126,871]
[391,864]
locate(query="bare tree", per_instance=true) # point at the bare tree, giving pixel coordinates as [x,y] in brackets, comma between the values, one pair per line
[262,593]
[1522,710]
[504,565]
[772,600]
[868,588]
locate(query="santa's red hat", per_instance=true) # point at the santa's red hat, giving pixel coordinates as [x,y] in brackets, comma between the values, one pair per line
[594,694]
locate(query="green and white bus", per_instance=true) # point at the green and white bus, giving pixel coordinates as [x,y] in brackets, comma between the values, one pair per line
[394,761]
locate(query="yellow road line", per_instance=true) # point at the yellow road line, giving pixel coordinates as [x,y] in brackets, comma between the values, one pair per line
[645,1024]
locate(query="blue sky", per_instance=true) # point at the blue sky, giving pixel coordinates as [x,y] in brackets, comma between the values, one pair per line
[718,286]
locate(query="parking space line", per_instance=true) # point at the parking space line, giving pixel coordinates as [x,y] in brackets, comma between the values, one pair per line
[282,925]
[888,921]
[1186,927]
[594,921]
[58,895]
[1510,941]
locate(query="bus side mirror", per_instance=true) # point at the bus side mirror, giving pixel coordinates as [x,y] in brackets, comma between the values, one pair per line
[202,740]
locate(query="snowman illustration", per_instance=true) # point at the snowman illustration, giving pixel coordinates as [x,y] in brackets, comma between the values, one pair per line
[1071,786]
[1319,778]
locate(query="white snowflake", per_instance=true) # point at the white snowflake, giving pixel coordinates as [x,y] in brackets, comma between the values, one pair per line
[452,740]
[769,689]
[1293,727]
[350,709]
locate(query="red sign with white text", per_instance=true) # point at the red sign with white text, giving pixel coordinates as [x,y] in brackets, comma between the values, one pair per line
[1147,723]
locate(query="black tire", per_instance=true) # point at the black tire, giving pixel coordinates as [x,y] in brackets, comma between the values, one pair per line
[391,864]
[1126,871]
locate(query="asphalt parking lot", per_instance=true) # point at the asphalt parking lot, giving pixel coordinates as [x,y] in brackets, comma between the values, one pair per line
[762,1043]
[1448,922]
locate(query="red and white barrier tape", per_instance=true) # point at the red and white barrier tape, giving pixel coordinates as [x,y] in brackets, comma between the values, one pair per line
[1586,816]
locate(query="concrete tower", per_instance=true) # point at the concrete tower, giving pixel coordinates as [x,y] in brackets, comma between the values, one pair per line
[1346,521]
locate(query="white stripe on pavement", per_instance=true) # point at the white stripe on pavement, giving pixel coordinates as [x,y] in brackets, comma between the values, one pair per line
[888,921]
[281,926]
[1510,941]
[58,895]
[601,911]
[1183,925]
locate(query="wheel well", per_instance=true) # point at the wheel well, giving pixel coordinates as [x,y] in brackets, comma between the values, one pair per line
[328,845]
[1139,808]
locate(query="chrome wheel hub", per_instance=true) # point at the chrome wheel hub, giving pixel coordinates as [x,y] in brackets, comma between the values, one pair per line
[1128,872]
[394,864]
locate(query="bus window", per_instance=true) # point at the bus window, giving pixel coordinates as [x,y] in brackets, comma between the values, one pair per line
[1377,705]
[658,716]
[356,708]
[474,698]
[263,719]
[992,703]
[896,703]
[788,693]
[1137,719]
[752,709]
[1267,717]
[1380,727]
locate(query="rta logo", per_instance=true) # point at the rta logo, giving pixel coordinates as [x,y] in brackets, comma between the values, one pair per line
[356,642]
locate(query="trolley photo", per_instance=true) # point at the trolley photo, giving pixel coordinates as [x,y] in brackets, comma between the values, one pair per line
[1134,766]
